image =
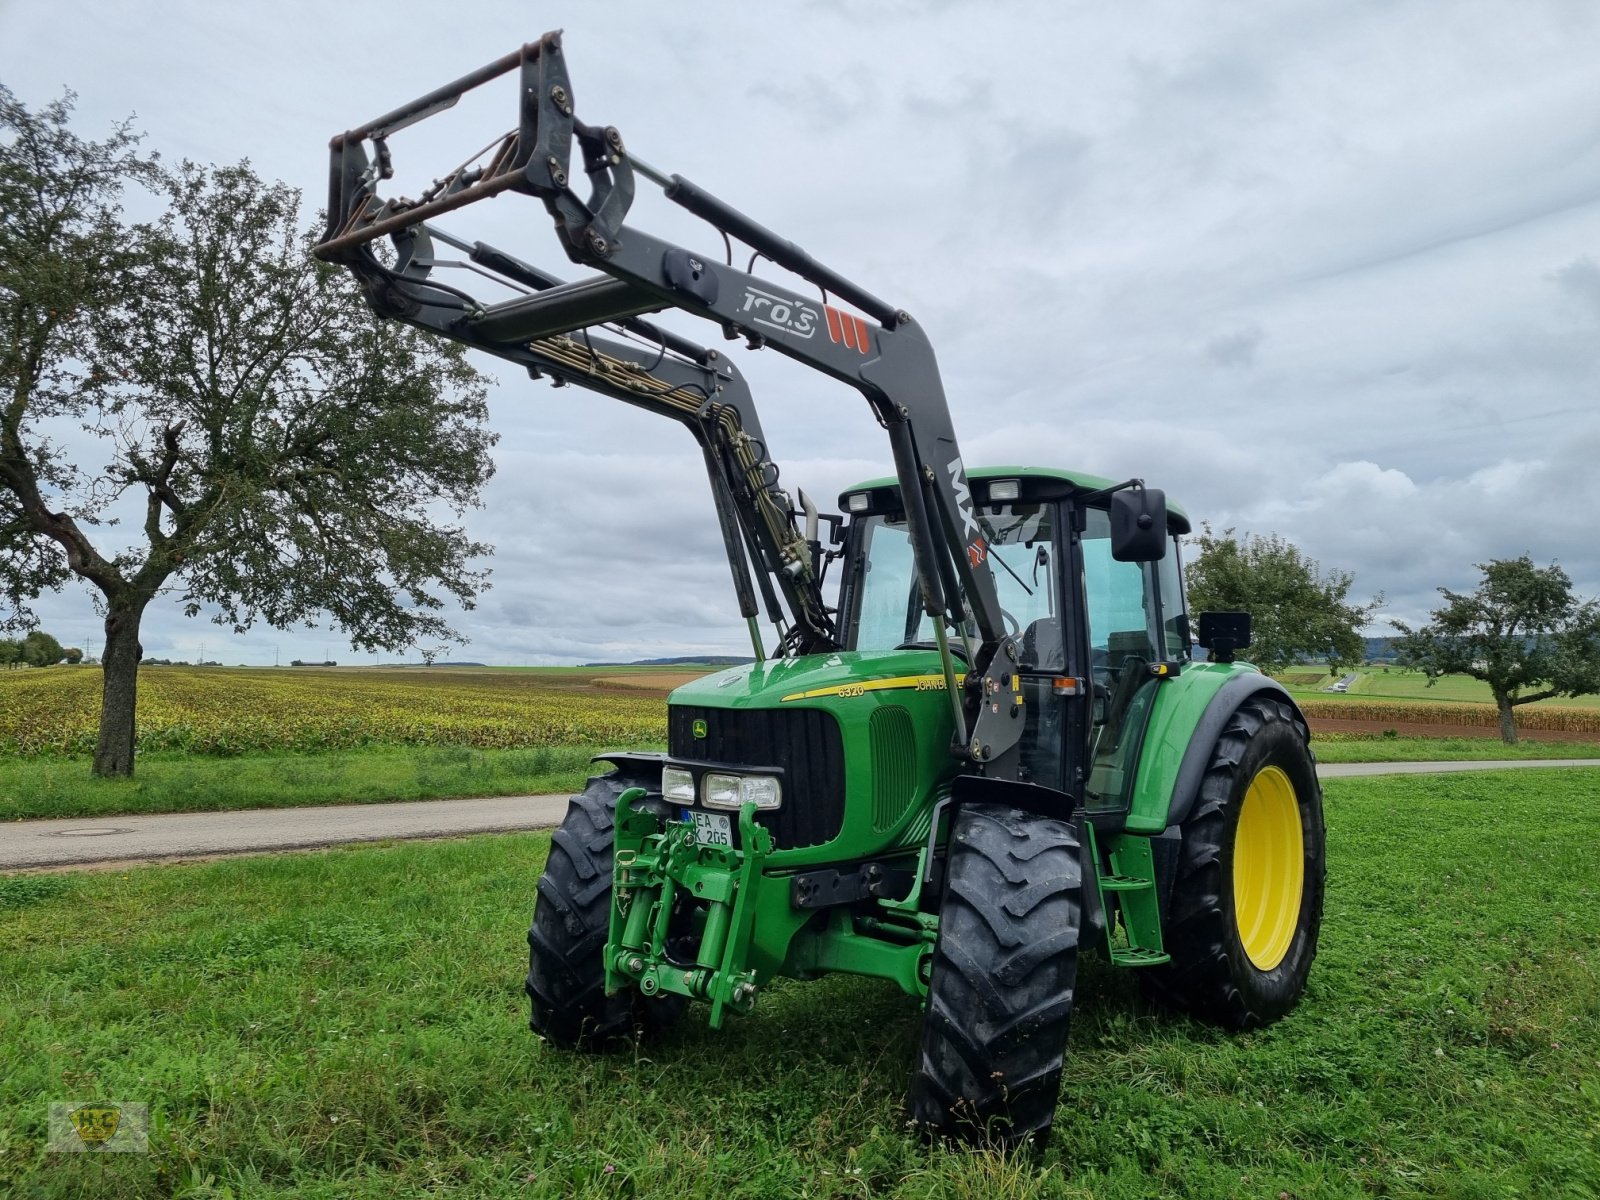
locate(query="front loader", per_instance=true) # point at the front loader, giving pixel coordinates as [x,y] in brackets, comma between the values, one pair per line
[984,745]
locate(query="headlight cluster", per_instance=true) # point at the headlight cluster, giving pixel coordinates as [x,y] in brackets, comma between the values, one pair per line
[722,790]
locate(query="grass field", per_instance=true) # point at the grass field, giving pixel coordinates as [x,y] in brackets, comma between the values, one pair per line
[219,738]
[1392,683]
[174,782]
[170,781]
[350,1024]
[1340,748]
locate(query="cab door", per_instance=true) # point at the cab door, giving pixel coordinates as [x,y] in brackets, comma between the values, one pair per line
[1136,621]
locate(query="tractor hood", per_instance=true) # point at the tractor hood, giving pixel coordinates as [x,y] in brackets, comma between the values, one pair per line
[814,677]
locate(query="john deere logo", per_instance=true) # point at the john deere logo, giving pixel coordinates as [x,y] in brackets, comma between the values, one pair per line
[96,1123]
[699,729]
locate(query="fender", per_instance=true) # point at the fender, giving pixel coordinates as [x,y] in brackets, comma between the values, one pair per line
[1032,798]
[1209,728]
[634,762]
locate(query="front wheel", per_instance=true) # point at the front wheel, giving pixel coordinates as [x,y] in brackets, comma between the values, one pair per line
[567,941]
[1004,968]
[1246,906]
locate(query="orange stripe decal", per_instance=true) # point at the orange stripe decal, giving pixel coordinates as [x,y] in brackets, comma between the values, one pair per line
[849,324]
[834,330]
[861,335]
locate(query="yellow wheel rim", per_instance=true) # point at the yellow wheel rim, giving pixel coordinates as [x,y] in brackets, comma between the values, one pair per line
[1269,868]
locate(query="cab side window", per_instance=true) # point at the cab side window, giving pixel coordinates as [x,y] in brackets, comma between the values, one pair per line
[1126,635]
[1122,622]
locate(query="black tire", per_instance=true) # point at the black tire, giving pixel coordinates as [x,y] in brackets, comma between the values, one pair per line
[1004,968]
[566,943]
[1211,975]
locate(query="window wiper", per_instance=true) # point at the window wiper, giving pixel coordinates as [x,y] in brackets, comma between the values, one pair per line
[1009,571]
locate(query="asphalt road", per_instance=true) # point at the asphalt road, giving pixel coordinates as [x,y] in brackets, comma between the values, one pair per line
[87,842]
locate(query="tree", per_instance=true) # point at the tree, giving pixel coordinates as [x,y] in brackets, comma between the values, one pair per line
[1297,610]
[39,649]
[10,652]
[74,656]
[289,456]
[1520,629]
[62,253]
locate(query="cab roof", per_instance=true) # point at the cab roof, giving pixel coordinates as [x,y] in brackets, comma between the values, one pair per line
[1049,482]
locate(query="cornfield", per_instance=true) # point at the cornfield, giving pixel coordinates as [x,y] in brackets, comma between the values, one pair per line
[1477,716]
[220,711]
[210,710]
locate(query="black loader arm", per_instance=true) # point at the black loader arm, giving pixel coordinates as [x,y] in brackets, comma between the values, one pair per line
[547,329]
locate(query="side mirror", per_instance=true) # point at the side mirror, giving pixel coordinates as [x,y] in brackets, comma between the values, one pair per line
[1139,525]
[1221,633]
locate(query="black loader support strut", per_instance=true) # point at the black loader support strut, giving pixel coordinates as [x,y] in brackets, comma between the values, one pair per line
[548,329]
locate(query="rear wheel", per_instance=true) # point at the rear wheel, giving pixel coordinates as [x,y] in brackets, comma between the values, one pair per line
[1246,906]
[1004,968]
[566,943]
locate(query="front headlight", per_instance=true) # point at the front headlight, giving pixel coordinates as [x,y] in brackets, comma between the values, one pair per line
[735,791]
[677,785]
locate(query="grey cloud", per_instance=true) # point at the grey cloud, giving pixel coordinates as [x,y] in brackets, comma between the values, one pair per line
[1237,349]
[1580,279]
[1096,212]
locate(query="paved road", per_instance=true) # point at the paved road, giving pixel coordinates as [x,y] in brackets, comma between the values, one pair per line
[86,841]
[108,841]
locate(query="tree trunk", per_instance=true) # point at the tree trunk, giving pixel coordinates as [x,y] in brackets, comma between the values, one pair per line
[113,753]
[1508,720]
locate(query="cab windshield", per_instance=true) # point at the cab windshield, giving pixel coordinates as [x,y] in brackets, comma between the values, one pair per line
[1021,562]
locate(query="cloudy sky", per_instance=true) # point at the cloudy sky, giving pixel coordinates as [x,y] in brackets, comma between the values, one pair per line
[1325,269]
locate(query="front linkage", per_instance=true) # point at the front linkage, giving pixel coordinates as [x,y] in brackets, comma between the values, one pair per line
[742,924]
[653,861]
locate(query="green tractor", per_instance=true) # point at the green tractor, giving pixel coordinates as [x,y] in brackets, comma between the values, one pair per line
[984,745]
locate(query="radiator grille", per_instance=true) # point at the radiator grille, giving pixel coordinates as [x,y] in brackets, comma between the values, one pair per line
[804,742]
[894,775]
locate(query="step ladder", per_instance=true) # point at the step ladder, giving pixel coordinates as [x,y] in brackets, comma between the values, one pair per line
[1131,880]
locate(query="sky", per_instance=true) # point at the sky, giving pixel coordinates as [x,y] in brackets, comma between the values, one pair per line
[1329,270]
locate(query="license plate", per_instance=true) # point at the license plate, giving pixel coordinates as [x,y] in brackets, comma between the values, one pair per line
[712,829]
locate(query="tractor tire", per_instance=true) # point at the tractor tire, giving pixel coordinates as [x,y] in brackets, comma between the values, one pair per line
[566,942]
[1004,968]
[1246,906]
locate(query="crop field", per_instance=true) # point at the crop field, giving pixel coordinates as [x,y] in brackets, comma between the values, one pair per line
[1393,683]
[1575,722]
[227,711]
[350,1024]
[222,711]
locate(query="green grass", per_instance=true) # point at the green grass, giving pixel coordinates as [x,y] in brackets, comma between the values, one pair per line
[1393,683]
[350,1024]
[1358,748]
[175,782]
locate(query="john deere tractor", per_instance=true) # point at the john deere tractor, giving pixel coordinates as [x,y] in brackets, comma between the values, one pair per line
[983,745]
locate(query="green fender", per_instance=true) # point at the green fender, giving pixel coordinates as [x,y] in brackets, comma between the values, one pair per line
[1190,712]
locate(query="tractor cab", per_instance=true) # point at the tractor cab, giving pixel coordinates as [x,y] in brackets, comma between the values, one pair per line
[1095,633]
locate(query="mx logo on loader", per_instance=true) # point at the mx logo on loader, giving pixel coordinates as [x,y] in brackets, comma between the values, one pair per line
[977,548]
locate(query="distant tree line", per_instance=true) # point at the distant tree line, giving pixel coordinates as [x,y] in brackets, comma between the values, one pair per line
[1523,631]
[38,649]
